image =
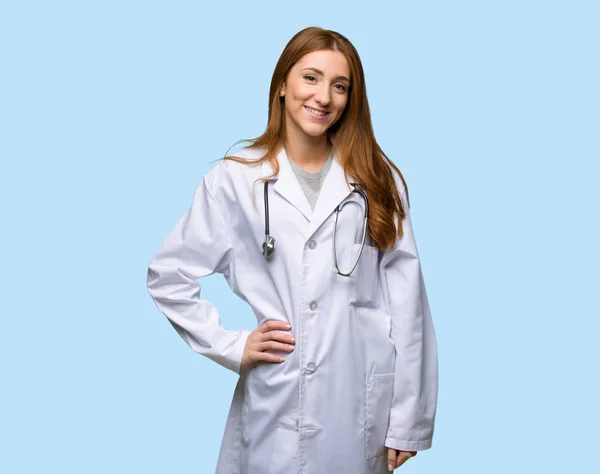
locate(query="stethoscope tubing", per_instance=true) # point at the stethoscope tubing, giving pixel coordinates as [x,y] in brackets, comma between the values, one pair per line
[364,233]
[270,242]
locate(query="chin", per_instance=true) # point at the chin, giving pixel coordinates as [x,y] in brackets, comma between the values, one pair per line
[314,132]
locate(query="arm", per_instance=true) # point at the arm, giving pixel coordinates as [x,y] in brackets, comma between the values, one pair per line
[198,246]
[414,401]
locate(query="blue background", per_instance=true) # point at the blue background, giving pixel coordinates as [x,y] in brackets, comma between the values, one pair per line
[111,112]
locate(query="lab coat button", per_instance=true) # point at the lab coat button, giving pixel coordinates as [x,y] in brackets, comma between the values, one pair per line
[312,244]
[314,305]
[311,366]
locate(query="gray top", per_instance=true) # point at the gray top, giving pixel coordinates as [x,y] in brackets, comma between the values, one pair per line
[311,182]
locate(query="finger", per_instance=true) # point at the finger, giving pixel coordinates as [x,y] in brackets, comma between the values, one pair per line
[391,459]
[268,357]
[275,346]
[279,336]
[403,457]
[271,324]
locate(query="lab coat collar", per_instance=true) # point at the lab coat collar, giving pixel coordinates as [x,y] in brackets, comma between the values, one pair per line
[333,191]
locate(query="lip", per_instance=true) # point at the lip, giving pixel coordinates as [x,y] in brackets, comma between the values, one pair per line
[317,117]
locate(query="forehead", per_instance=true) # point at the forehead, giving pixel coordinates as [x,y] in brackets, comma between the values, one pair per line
[332,63]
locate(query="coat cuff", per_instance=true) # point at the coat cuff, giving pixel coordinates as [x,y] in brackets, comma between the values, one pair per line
[404,445]
[233,358]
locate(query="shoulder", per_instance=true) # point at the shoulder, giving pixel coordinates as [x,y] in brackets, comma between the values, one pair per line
[398,181]
[230,172]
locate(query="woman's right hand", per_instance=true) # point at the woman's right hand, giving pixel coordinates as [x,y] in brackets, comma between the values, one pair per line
[267,336]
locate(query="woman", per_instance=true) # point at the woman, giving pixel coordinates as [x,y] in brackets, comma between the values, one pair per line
[341,373]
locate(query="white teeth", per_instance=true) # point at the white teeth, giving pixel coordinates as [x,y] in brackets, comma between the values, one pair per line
[316,112]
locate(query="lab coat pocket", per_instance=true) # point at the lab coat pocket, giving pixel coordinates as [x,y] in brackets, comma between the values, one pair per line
[378,399]
[366,279]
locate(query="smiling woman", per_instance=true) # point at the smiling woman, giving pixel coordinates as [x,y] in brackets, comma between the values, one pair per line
[316,92]
[341,373]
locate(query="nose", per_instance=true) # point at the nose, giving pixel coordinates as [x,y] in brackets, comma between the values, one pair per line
[322,96]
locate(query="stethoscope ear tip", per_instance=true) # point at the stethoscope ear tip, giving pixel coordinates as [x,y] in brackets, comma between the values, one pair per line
[335,271]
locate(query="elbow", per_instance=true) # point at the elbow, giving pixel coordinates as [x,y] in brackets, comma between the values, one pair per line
[152,278]
[169,284]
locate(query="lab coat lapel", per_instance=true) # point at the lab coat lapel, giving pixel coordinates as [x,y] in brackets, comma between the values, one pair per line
[333,192]
[287,185]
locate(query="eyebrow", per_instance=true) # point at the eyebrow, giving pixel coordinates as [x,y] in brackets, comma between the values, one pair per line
[318,71]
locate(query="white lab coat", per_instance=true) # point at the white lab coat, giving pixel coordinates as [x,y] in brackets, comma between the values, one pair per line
[364,372]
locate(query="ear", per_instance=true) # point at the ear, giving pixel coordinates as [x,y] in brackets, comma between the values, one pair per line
[282,90]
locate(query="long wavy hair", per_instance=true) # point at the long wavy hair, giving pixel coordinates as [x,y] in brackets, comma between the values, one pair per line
[351,136]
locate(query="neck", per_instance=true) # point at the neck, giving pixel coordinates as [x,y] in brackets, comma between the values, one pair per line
[310,153]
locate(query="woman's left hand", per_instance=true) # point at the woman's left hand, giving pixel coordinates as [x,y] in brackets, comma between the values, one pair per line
[396,457]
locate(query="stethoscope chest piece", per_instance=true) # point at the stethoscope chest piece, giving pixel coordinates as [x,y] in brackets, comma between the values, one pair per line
[268,246]
[270,243]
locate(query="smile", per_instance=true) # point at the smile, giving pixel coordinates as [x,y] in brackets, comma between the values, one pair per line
[316,112]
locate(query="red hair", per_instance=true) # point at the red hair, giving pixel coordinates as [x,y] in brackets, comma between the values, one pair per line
[352,136]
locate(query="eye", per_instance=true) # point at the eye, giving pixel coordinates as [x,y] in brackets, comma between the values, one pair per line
[308,76]
[342,87]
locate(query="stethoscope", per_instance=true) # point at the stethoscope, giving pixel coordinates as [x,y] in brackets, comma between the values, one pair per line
[270,243]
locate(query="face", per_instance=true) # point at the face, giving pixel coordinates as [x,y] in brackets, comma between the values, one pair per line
[316,92]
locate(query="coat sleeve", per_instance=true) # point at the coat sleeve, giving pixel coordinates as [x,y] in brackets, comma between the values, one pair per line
[198,246]
[414,401]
